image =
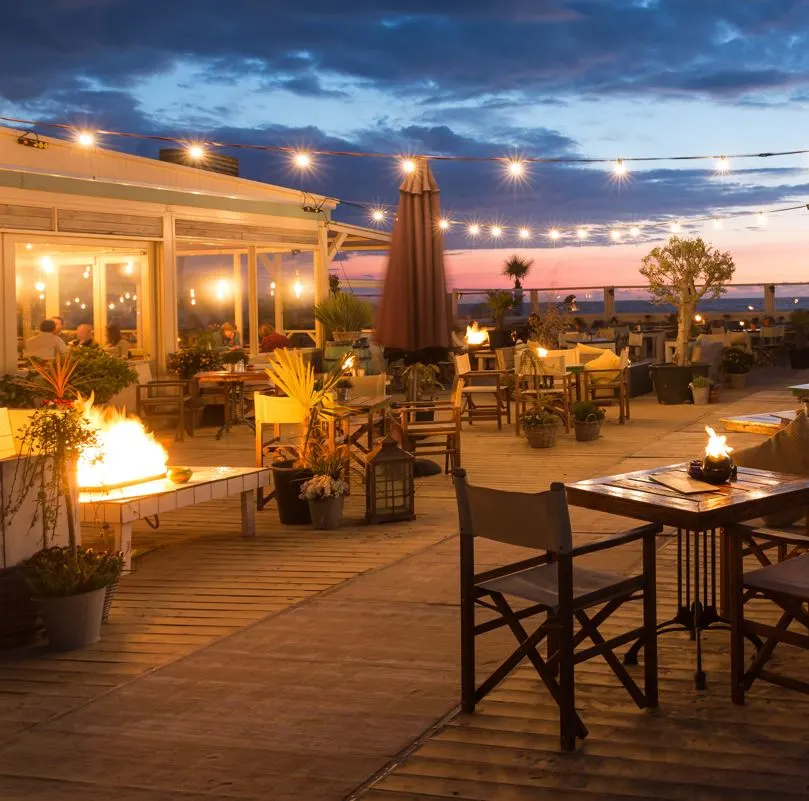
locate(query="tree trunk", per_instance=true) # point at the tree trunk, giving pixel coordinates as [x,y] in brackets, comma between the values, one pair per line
[684,323]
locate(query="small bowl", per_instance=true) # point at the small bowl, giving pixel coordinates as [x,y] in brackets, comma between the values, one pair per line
[180,475]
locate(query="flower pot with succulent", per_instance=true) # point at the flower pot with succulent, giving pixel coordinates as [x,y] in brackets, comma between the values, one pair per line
[587,420]
[540,427]
[682,273]
[326,490]
[701,389]
[737,362]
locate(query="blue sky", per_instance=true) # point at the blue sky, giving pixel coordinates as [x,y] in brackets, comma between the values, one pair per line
[608,78]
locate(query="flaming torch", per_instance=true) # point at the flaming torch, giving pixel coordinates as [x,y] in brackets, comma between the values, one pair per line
[476,337]
[717,466]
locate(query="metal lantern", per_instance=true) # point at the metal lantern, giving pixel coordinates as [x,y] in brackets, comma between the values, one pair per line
[389,493]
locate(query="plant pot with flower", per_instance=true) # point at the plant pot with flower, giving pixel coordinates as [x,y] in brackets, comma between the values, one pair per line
[701,389]
[737,363]
[587,420]
[325,491]
[540,427]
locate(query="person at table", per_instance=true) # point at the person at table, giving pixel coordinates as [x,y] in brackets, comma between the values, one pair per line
[60,325]
[228,337]
[45,344]
[84,336]
[271,339]
[116,345]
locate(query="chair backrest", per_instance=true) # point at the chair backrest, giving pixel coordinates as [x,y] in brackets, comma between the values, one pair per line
[274,410]
[555,362]
[368,386]
[738,339]
[635,339]
[538,520]
[606,333]
[773,332]
[462,363]
[624,358]
[505,358]
[713,338]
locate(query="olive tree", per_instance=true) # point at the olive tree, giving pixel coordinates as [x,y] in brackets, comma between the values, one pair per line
[681,273]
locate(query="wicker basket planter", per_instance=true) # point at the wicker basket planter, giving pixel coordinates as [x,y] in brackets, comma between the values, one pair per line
[542,436]
[587,430]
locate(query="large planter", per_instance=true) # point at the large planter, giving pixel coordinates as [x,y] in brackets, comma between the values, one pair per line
[701,395]
[587,430]
[327,513]
[671,381]
[73,621]
[20,622]
[799,358]
[541,436]
[737,380]
[288,479]
[499,339]
[346,336]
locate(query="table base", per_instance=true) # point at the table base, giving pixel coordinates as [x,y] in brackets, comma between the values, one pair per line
[235,413]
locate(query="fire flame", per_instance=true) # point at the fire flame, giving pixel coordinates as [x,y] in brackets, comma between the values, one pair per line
[126,452]
[717,447]
[476,335]
[542,352]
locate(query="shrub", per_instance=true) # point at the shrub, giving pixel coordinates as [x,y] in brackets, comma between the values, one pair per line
[344,312]
[587,412]
[701,381]
[59,572]
[736,361]
[188,362]
[234,356]
[16,395]
[537,417]
[101,374]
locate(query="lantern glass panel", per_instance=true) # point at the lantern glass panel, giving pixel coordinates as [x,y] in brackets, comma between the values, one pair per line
[392,488]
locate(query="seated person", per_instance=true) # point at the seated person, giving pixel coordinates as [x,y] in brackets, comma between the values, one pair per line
[116,344]
[45,344]
[228,337]
[60,324]
[270,339]
[84,336]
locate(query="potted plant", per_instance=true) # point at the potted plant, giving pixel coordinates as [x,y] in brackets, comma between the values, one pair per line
[186,363]
[552,321]
[587,420]
[326,490]
[293,376]
[342,388]
[69,583]
[701,389]
[799,353]
[421,381]
[499,302]
[682,273]
[232,359]
[344,315]
[516,268]
[540,427]
[737,362]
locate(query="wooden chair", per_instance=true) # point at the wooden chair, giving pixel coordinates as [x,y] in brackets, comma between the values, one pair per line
[481,384]
[635,344]
[786,584]
[609,387]
[546,382]
[770,347]
[167,398]
[505,359]
[433,428]
[368,385]
[550,586]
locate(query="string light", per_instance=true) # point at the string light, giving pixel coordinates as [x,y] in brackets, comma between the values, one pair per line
[634,231]
[761,219]
[675,228]
[443,224]
[582,233]
[496,231]
[221,289]
[86,139]
[515,168]
[378,215]
[111,306]
[722,165]
[83,306]
[302,160]
[135,297]
[554,233]
[698,318]
[619,169]
[39,286]
[524,233]
[46,263]
[128,268]
[474,229]
[41,297]
[28,246]
[121,299]
[76,299]
[297,287]
[196,152]
[615,235]
[408,166]
[717,224]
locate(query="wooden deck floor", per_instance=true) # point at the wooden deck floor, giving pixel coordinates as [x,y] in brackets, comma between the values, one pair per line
[202,598]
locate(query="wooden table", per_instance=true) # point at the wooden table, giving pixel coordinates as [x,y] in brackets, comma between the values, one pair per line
[696,517]
[360,436]
[120,508]
[235,384]
[767,424]
[486,359]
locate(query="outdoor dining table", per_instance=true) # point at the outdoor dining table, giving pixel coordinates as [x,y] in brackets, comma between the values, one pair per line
[697,516]
[235,385]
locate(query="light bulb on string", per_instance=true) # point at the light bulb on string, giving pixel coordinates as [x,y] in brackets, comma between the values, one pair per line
[717,224]
[120,299]
[42,297]
[443,224]
[83,306]
[28,246]
[297,287]
[554,233]
[634,232]
[761,219]
[515,169]
[39,286]
[196,152]
[378,215]
[302,160]
[722,165]
[76,299]
[619,169]
[408,166]
[582,233]
[615,235]
[496,232]
[111,306]
[524,233]
[128,268]
[86,138]
[675,228]
[46,263]
[474,229]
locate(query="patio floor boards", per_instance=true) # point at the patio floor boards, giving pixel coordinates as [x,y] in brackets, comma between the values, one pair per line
[296,665]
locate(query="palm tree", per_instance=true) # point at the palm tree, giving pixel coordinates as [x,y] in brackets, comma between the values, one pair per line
[516,268]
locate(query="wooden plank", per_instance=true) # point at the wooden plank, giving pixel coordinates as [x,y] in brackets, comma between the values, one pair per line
[97,222]
[26,218]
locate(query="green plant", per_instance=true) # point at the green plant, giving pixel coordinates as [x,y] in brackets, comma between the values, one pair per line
[682,273]
[551,321]
[15,394]
[61,571]
[736,361]
[325,461]
[186,363]
[701,381]
[234,356]
[499,302]
[516,268]
[420,380]
[536,417]
[344,312]
[100,374]
[587,412]
[334,283]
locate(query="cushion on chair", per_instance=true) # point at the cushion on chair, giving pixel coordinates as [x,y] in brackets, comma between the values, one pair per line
[785,452]
[790,577]
[606,361]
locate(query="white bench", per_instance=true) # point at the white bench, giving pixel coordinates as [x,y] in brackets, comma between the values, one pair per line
[119,508]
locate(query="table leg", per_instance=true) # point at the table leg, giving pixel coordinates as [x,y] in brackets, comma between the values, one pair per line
[735,571]
[248,503]
[122,542]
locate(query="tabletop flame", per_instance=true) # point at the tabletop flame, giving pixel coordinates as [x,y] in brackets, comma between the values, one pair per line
[717,447]
[475,335]
[542,352]
[126,453]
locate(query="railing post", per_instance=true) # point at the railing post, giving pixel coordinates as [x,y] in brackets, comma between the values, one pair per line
[454,305]
[534,301]
[769,300]
[609,303]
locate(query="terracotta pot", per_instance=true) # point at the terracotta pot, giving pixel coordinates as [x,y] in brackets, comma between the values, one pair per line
[327,513]
[73,621]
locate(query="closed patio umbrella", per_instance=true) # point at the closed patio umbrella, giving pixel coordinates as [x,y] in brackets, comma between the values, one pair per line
[413,314]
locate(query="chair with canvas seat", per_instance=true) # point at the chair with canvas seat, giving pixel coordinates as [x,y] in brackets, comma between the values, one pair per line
[770,347]
[635,344]
[550,586]
[545,381]
[479,386]
[606,382]
[168,398]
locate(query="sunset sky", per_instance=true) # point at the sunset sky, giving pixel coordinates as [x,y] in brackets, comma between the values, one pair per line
[549,78]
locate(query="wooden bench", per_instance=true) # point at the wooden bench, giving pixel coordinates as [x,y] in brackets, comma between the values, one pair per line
[767,424]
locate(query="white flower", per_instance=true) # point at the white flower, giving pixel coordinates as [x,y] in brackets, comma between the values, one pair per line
[323,488]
